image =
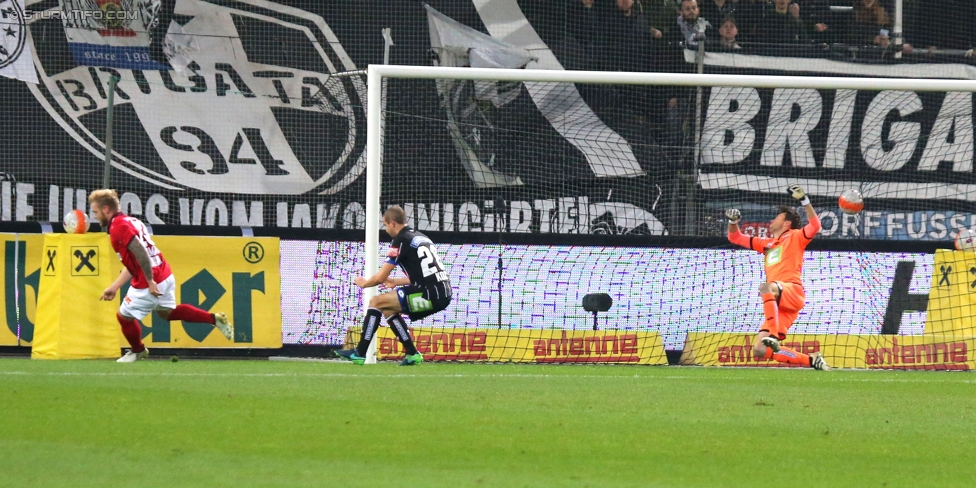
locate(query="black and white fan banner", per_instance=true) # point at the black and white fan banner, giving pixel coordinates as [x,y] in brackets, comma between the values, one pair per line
[16,60]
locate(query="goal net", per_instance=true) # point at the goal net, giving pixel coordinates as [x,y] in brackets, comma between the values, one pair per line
[564,186]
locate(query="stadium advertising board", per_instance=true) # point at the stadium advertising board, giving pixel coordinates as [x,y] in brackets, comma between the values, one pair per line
[847,292]
[670,291]
[953,296]
[881,225]
[237,276]
[925,352]
[20,268]
[72,323]
[251,127]
[529,346]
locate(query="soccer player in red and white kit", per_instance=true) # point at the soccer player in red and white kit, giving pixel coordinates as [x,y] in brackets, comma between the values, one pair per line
[782,293]
[153,285]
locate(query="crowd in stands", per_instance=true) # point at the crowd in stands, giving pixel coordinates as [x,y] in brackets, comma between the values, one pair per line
[652,35]
[633,30]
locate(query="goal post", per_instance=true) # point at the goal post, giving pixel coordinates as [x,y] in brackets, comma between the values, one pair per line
[749,308]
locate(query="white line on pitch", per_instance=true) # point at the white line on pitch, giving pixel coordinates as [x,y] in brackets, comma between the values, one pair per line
[542,376]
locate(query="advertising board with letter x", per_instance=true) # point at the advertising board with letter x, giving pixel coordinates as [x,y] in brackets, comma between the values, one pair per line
[235,275]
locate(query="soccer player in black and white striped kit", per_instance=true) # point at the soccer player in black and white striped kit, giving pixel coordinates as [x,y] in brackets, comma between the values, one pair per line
[425,290]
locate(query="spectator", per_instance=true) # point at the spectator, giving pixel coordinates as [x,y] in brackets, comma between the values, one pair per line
[690,31]
[630,44]
[583,21]
[727,33]
[717,10]
[949,25]
[781,24]
[869,24]
[748,14]
[815,15]
[586,26]
[660,16]
[628,38]
[691,25]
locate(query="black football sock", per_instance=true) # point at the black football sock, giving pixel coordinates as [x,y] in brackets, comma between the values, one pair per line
[400,329]
[370,323]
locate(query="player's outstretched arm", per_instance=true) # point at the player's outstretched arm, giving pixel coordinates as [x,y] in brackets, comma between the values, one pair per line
[382,275]
[735,236]
[109,293]
[813,221]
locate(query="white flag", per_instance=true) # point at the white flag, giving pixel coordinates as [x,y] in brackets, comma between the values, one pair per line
[16,60]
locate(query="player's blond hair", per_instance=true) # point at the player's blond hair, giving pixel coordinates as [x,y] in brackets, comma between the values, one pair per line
[395,214]
[105,198]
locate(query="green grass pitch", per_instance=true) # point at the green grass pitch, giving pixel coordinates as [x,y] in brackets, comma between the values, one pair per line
[266,423]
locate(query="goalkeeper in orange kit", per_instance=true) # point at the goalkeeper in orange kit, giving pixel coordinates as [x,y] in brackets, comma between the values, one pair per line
[782,293]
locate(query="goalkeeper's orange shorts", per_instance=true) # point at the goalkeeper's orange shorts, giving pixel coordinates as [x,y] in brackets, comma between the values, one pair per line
[791,301]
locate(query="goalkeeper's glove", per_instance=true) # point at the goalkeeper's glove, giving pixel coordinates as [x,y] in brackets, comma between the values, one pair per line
[797,192]
[733,215]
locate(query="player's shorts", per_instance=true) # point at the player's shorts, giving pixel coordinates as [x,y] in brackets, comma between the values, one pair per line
[138,302]
[791,301]
[418,303]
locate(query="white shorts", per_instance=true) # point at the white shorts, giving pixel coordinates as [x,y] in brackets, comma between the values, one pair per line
[139,302]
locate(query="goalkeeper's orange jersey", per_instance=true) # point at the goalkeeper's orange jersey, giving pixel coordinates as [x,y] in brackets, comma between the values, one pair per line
[784,255]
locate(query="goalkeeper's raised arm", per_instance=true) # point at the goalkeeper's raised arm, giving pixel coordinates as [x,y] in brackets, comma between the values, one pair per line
[813,221]
[787,219]
[735,236]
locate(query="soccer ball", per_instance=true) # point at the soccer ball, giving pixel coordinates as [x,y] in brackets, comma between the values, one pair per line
[851,202]
[966,240]
[75,222]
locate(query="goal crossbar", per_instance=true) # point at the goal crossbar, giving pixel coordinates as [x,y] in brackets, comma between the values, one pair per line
[674,79]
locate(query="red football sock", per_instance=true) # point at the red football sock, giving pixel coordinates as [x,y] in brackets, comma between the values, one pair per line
[132,332]
[189,313]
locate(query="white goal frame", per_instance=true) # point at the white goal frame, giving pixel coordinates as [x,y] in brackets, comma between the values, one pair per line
[376,73]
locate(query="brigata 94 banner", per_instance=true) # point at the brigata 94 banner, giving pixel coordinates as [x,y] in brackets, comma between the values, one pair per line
[244,120]
[909,154]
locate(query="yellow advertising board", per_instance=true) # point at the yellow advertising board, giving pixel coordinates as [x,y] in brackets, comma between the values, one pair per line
[71,322]
[528,346]
[235,275]
[923,352]
[952,299]
[20,271]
